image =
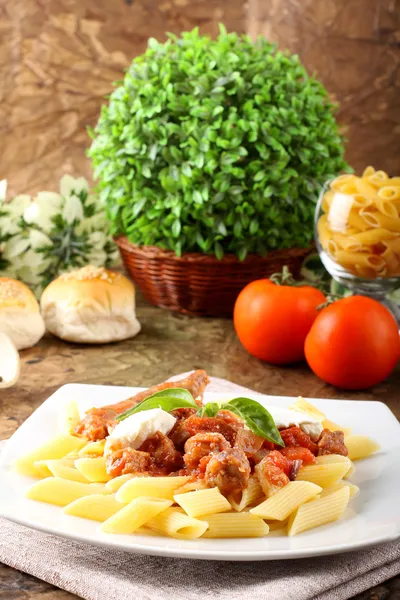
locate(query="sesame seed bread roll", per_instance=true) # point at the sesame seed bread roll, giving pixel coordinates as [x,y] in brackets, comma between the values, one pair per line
[20,317]
[90,306]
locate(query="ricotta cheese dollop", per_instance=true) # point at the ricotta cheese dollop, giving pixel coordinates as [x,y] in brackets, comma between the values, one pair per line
[134,430]
[284,417]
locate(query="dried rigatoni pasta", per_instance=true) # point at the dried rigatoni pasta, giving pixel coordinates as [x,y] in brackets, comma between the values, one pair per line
[134,515]
[173,522]
[57,447]
[235,525]
[247,497]
[323,475]
[94,469]
[203,502]
[55,490]
[279,506]
[360,446]
[319,511]
[156,487]
[98,507]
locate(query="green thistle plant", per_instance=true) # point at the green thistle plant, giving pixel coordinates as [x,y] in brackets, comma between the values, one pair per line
[218,146]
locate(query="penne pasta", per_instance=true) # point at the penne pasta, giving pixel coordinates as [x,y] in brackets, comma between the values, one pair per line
[235,525]
[319,512]
[360,446]
[279,506]
[203,502]
[92,449]
[55,490]
[156,487]
[114,484]
[175,523]
[327,424]
[324,475]
[360,216]
[302,405]
[353,489]
[69,417]
[61,468]
[98,507]
[191,486]
[134,515]
[328,459]
[57,447]
[94,469]
[241,499]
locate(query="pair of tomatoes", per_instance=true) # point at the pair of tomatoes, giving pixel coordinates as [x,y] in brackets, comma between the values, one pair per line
[353,343]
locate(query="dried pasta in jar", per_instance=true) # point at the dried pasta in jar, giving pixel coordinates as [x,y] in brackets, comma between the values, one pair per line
[359,224]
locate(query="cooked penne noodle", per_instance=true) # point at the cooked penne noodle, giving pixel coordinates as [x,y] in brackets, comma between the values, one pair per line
[319,512]
[241,499]
[327,424]
[360,446]
[92,449]
[191,486]
[57,447]
[69,417]
[328,459]
[58,468]
[279,506]
[98,507]
[114,484]
[156,487]
[94,469]
[55,490]
[302,405]
[324,475]
[353,489]
[134,515]
[203,502]
[175,523]
[235,525]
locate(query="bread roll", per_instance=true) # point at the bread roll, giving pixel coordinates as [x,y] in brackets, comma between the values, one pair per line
[91,306]
[20,316]
[9,362]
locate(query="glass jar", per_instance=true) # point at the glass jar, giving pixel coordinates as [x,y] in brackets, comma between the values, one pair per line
[357,233]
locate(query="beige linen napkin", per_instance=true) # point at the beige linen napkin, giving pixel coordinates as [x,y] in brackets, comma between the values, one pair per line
[101,574]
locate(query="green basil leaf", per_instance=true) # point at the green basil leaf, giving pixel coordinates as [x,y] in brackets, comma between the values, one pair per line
[209,410]
[168,400]
[256,417]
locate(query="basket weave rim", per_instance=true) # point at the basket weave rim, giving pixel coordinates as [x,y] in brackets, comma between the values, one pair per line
[153,252]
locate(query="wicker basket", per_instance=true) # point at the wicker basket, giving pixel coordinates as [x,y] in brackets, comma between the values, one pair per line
[199,284]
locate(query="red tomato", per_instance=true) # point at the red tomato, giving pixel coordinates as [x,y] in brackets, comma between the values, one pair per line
[272,321]
[298,453]
[354,343]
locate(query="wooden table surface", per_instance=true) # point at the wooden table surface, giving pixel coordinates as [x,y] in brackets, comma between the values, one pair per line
[168,344]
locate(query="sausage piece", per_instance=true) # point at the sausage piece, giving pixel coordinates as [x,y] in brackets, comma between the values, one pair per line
[202,445]
[228,470]
[332,442]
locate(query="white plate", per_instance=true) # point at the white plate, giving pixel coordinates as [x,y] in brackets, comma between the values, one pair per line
[373,517]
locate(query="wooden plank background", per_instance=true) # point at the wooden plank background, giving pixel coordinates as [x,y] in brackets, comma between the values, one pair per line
[58,59]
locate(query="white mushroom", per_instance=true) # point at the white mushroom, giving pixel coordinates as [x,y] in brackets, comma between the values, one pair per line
[9,362]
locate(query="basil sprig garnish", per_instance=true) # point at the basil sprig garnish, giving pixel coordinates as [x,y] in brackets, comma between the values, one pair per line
[168,400]
[251,412]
